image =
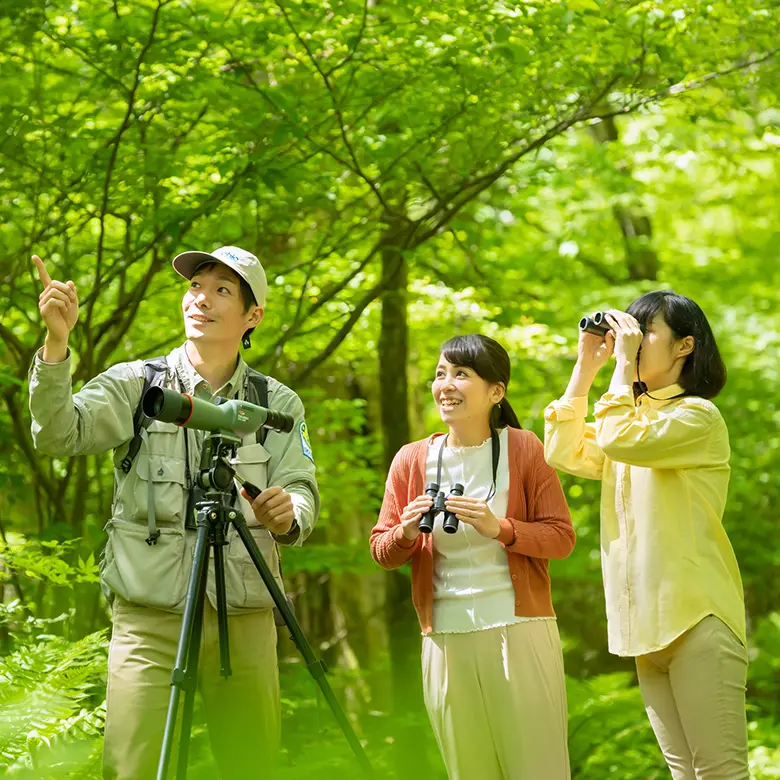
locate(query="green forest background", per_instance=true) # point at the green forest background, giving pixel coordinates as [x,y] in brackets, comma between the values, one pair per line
[406,172]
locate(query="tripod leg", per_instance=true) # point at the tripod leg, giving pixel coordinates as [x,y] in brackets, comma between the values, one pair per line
[191,674]
[180,674]
[222,621]
[315,666]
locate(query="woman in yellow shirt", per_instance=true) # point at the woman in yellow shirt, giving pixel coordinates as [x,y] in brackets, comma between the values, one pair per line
[673,591]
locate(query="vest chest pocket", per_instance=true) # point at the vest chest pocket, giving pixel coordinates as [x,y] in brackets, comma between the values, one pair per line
[159,468]
[165,439]
[165,477]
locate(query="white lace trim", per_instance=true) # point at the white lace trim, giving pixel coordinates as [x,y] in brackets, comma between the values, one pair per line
[496,625]
[468,446]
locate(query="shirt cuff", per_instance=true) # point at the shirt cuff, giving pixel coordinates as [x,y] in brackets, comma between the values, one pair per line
[507,533]
[39,361]
[565,409]
[291,536]
[304,516]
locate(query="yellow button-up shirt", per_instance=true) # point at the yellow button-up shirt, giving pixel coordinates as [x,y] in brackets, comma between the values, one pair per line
[664,465]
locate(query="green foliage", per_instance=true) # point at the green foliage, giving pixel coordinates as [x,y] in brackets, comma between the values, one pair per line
[52,706]
[46,560]
[507,153]
[609,733]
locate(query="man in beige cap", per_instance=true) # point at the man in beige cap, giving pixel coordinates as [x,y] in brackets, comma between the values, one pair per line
[147,559]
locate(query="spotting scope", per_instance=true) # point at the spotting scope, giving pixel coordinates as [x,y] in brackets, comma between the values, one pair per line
[238,417]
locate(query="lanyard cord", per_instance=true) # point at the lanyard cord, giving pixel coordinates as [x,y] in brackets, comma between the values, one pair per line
[640,388]
[495,445]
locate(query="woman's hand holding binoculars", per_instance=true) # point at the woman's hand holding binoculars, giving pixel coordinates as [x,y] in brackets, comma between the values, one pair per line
[593,351]
[472,511]
[410,517]
[602,335]
[627,334]
[476,513]
[606,333]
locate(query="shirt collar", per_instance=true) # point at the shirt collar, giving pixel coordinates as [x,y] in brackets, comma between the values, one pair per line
[661,397]
[195,384]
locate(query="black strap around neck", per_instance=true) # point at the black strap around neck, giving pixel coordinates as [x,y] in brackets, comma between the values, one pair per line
[495,444]
[640,388]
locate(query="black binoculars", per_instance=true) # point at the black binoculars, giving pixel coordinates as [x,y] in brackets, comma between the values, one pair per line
[597,324]
[450,524]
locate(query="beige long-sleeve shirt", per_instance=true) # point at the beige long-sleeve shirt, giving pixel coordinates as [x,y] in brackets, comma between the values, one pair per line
[664,465]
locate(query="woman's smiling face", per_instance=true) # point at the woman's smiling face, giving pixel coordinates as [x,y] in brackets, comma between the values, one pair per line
[461,394]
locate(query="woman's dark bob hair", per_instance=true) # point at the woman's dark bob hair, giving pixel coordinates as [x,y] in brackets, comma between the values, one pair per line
[704,372]
[491,361]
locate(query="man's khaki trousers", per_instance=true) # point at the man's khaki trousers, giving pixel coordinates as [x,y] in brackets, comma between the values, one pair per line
[242,712]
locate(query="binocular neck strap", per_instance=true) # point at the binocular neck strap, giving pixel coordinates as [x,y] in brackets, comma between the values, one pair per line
[495,444]
[640,388]
[441,455]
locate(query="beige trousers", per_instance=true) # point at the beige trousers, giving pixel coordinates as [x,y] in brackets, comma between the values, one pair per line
[497,702]
[694,693]
[242,712]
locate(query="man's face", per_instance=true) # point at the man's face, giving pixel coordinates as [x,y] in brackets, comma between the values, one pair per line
[213,309]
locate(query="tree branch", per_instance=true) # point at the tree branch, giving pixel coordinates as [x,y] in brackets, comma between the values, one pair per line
[357,169]
[352,53]
[687,86]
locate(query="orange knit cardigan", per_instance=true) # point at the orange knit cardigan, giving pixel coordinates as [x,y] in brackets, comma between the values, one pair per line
[537,527]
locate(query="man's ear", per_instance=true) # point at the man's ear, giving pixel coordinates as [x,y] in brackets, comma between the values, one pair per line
[257,317]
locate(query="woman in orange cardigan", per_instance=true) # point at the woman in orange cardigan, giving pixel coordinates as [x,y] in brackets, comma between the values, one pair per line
[491,655]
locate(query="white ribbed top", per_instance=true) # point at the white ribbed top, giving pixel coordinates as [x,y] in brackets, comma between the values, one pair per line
[472,587]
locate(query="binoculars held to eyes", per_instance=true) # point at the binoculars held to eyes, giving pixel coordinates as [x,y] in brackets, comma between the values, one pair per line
[597,324]
[450,524]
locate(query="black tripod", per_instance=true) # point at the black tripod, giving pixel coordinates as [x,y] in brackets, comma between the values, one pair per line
[214,513]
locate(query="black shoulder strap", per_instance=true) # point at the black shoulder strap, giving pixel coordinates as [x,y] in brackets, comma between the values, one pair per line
[155,371]
[258,388]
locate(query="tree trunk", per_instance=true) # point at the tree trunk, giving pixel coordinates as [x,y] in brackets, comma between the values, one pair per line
[641,259]
[403,628]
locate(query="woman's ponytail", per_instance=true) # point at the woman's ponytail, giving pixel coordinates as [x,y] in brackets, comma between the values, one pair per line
[503,415]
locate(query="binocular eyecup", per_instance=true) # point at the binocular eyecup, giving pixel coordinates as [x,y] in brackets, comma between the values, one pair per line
[450,524]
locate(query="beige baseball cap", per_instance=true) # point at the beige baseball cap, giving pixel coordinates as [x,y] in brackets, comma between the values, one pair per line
[244,263]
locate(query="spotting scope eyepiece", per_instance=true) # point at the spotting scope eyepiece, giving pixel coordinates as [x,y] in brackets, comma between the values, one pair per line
[238,417]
